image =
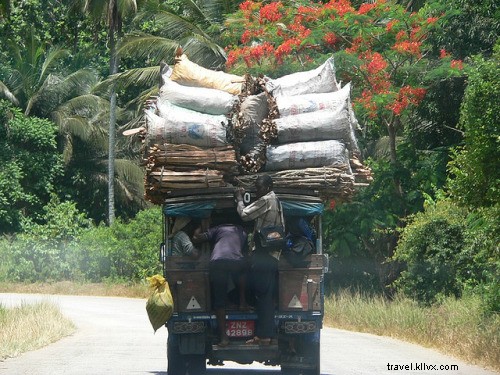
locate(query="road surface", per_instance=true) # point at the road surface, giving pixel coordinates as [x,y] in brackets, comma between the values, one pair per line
[114,336]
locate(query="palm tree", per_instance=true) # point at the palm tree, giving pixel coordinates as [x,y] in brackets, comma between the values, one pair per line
[112,12]
[36,80]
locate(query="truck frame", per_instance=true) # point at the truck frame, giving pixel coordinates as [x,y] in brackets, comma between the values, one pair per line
[192,329]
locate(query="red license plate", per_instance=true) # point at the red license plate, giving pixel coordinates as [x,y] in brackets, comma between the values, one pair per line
[240,328]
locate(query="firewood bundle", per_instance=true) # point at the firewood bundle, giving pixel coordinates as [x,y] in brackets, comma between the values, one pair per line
[159,181]
[329,182]
[187,157]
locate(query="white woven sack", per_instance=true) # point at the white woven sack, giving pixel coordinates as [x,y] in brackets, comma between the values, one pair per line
[201,99]
[306,155]
[178,125]
[321,79]
[315,126]
[297,104]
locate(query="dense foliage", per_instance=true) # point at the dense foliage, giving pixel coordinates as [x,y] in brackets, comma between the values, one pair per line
[70,247]
[29,165]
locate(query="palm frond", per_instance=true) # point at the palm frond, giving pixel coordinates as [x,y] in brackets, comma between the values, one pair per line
[176,27]
[53,56]
[145,77]
[148,47]
[204,51]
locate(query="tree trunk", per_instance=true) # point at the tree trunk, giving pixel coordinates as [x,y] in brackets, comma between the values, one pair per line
[113,69]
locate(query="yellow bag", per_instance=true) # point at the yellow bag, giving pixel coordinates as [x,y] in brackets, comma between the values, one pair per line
[160,304]
[188,73]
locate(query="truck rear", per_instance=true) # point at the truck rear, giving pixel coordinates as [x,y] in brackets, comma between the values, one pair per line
[299,301]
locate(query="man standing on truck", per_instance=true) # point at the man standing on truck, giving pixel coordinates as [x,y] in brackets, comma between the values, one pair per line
[226,261]
[266,211]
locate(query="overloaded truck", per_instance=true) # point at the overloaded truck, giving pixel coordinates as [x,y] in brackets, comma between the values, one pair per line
[192,330]
[209,132]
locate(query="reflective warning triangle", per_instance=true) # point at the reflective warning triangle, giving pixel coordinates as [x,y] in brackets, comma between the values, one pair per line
[193,304]
[295,303]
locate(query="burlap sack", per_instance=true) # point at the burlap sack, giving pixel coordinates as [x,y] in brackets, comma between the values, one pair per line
[188,73]
[160,305]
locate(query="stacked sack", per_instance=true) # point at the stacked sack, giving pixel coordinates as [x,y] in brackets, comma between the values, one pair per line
[186,129]
[309,134]
[209,128]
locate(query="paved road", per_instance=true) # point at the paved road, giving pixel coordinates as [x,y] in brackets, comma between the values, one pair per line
[114,337]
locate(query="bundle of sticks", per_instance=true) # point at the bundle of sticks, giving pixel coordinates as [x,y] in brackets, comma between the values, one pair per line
[187,157]
[160,181]
[332,182]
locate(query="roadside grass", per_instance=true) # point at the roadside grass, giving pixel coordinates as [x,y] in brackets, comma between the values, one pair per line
[132,290]
[457,327]
[31,326]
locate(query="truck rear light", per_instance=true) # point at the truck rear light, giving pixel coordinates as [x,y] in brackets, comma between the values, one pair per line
[299,327]
[188,327]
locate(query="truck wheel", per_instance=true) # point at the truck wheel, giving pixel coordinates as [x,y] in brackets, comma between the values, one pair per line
[309,349]
[183,364]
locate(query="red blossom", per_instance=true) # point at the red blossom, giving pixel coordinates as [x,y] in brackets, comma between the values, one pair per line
[330,39]
[390,25]
[366,7]
[271,12]
[332,205]
[407,96]
[443,54]
[247,5]
[340,6]
[432,20]
[368,103]
[413,48]
[457,64]
[246,36]
[356,43]
[286,48]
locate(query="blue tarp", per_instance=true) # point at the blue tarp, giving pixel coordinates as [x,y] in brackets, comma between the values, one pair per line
[193,209]
[203,209]
[302,208]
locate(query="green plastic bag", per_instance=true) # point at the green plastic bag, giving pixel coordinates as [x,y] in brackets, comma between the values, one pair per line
[160,304]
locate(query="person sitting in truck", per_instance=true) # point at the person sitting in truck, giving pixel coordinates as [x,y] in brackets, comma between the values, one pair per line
[181,235]
[264,262]
[227,261]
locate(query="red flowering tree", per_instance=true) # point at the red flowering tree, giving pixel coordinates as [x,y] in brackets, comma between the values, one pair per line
[379,46]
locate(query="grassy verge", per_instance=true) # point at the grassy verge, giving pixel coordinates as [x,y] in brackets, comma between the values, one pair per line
[78,289]
[455,327]
[31,326]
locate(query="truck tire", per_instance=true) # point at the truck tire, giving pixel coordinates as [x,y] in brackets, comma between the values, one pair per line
[311,350]
[183,364]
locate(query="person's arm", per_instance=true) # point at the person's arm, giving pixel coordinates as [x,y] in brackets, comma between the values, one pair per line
[187,247]
[199,236]
[252,211]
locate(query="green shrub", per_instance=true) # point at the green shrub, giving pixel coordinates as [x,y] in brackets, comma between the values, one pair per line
[43,252]
[431,246]
[447,249]
[123,251]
